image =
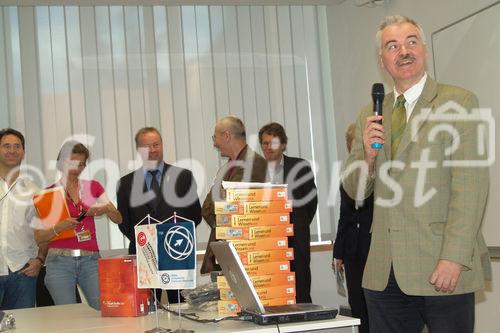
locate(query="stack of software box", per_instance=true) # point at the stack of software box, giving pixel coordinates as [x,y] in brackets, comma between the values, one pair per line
[257,222]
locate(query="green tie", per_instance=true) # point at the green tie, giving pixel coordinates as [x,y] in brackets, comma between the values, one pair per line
[398,124]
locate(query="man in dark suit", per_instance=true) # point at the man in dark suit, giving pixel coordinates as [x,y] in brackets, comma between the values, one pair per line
[297,173]
[352,245]
[244,165]
[157,188]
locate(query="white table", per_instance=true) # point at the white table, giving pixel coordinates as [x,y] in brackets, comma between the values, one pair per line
[81,318]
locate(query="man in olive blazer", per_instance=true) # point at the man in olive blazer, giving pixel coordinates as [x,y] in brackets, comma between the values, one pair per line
[444,227]
[426,237]
[244,165]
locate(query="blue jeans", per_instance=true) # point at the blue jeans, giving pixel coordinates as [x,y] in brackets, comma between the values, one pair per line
[17,291]
[64,273]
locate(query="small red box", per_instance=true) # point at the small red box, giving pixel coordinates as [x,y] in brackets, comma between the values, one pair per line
[120,296]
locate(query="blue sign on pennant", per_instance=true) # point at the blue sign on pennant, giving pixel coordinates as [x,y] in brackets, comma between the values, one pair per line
[176,248]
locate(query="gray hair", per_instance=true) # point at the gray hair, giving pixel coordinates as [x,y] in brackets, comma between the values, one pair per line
[234,125]
[397,19]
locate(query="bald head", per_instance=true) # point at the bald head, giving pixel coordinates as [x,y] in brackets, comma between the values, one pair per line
[229,136]
[233,125]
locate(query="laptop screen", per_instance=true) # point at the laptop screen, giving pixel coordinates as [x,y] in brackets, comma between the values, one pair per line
[236,276]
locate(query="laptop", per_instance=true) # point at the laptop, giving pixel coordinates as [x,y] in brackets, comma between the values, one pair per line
[247,297]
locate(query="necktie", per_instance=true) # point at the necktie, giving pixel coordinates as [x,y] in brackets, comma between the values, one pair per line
[398,124]
[155,187]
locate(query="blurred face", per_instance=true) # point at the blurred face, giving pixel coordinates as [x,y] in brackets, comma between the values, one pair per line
[221,140]
[272,147]
[150,148]
[11,151]
[75,165]
[403,54]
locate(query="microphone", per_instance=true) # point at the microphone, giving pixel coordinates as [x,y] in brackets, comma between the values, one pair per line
[378,94]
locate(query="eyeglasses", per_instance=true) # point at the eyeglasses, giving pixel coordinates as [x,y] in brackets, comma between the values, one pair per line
[409,44]
[155,145]
[15,147]
[273,144]
[220,133]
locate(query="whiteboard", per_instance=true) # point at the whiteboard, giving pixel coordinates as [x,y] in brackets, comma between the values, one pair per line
[467,53]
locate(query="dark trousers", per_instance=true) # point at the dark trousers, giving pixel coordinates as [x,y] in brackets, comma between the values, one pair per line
[43,297]
[172,296]
[354,276]
[391,310]
[302,280]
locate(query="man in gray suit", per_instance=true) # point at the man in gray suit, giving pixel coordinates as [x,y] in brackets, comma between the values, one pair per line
[427,255]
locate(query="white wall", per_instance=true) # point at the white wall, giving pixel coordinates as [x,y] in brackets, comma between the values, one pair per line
[355,68]
[353,51]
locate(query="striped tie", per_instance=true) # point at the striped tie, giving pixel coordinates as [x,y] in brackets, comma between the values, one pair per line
[398,124]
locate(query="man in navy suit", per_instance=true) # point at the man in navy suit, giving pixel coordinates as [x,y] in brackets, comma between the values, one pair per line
[297,173]
[157,188]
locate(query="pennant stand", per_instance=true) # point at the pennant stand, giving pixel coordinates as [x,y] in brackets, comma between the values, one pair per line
[166,259]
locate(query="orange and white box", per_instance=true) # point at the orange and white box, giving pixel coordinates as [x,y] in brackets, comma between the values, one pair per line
[224,207]
[228,307]
[274,243]
[254,232]
[268,268]
[263,293]
[260,257]
[257,207]
[251,220]
[256,194]
[278,301]
[267,207]
[263,281]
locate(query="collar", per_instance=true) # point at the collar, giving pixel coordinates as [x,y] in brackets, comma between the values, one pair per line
[282,161]
[22,180]
[277,166]
[412,94]
[241,153]
[160,168]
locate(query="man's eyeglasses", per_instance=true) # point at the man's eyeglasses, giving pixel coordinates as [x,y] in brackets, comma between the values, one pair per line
[220,133]
[410,44]
[155,145]
[15,147]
